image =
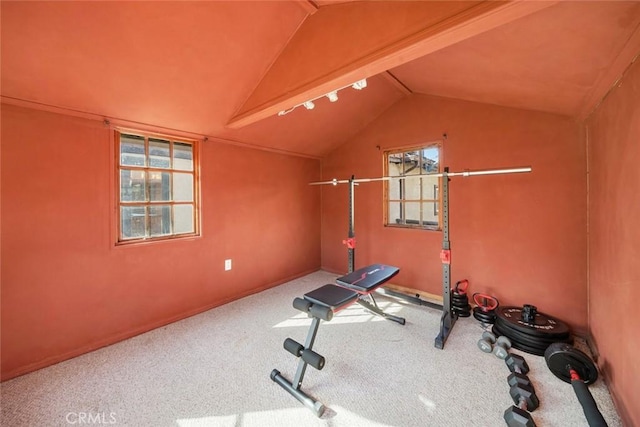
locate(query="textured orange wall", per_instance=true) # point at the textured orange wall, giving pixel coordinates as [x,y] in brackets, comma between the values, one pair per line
[519,237]
[66,289]
[614,240]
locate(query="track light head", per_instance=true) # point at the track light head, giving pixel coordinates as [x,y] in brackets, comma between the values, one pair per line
[360,84]
[333,96]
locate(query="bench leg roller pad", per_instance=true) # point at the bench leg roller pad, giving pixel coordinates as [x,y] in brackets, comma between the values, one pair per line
[316,407]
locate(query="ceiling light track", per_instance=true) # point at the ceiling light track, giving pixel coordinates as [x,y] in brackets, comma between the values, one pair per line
[332,96]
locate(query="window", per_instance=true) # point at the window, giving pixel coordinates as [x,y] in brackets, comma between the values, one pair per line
[158,187]
[415,201]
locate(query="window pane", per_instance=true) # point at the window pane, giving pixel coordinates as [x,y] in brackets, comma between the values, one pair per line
[159,153]
[430,213]
[183,219]
[132,150]
[132,220]
[182,156]
[431,160]
[395,213]
[412,213]
[412,188]
[411,162]
[395,164]
[395,187]
[132,185]
[182,187]
[159,186]
[429,188]
[159,220]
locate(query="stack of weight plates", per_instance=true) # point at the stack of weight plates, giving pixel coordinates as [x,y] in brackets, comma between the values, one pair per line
[528,330]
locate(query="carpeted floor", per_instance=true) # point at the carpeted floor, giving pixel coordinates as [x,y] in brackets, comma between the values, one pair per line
[213,370]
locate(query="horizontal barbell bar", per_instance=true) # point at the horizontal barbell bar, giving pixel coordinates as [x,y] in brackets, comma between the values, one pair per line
[428,175]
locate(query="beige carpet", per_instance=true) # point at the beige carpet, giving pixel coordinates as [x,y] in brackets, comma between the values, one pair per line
[213,370]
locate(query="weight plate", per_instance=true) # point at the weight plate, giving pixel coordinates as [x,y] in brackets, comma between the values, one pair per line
[460,300]
[517,339]
[509,330]
[532,340]
[528,341]
[520,346]
[484,317]
[543,325]
[561,356]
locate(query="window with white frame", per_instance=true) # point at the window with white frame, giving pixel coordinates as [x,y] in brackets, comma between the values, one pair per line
[413,198]
[157,187]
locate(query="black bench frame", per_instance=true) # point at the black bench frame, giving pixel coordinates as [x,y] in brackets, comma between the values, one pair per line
[321,304]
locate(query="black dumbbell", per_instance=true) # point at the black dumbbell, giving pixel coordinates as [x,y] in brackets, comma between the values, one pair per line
[526,400]
[519,368]
[522,393]
[486,342]
[518,378]
[516,363]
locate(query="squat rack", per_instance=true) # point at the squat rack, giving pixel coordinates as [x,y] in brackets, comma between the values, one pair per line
[449,316]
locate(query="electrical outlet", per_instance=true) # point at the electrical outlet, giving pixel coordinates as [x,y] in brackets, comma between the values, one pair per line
[227,264]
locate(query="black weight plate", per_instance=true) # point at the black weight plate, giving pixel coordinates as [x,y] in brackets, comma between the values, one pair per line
[559,356]
[484,317]
[518,339]
[509,330]
[519,345]
[529,340]
[543,325]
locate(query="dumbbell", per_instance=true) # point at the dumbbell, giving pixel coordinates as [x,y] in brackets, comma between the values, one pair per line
[501,348]
[522,393]
[519,416]
[486,342]
[519,369]
[516,363]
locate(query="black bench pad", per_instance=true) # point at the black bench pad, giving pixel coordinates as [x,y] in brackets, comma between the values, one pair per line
[331,296]
[367,279]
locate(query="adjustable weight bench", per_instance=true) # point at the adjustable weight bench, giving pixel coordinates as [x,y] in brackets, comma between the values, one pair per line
[322,304]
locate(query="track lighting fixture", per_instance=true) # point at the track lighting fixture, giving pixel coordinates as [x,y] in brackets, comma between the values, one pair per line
[360,84]
[332,96]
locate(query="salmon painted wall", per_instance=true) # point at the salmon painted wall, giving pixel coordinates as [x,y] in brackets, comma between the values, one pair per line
[614,240]
[66,289]
[520,237]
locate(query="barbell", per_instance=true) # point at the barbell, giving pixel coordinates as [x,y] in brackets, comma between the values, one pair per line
[336,181]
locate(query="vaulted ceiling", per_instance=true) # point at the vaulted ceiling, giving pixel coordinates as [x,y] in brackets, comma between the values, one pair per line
[224,69]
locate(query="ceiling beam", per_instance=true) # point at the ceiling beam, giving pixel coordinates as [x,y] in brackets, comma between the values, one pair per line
[395,82]
[300,74]
[612,74]
[309,6]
